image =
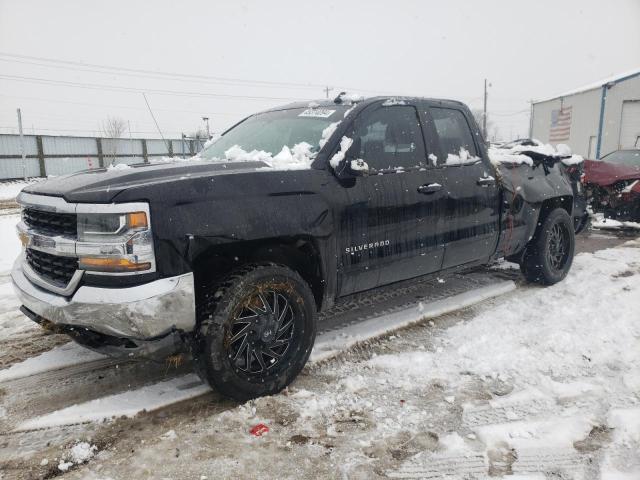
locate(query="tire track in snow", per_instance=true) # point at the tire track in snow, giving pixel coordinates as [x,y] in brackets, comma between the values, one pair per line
[475,465]
[474,417]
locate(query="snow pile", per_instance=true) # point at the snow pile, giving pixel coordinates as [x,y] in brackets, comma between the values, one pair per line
[345,145]
[393,101]
[327,132]
[350,98]
[9,242]
[599,221]
[118,166]
[359,165]
[169,435]
[500,156]
[10,190]
[517,153]
[296,158]
[80,453]
[463,158]
[300,156]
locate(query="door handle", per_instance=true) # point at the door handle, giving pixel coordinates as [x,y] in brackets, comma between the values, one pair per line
[427,189]
[486,181]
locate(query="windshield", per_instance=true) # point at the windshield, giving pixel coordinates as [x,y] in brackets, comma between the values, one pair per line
[271,132]
[631,158]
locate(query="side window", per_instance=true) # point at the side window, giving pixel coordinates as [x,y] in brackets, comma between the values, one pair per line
[455,137]
[391,138]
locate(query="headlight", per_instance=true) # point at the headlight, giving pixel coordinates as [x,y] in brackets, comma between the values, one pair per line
[117,242]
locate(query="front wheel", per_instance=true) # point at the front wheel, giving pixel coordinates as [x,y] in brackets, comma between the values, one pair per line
[549,254]
[257,329]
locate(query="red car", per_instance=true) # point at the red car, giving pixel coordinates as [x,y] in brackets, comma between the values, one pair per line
[613,184]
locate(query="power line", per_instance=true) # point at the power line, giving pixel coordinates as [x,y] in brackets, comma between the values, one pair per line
[162,73]
[129,107]
[257,83]
[508,114]
[90,67]
[115,88]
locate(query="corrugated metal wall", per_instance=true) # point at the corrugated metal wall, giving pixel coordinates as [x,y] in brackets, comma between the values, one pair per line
[52,155]
[586,109]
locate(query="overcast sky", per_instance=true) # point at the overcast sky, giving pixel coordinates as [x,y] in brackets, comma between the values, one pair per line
[527,49]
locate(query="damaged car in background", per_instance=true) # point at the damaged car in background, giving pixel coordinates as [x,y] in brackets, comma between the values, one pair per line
[230,256]
[613,185]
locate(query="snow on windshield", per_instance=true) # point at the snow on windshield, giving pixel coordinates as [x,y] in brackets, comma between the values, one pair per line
[283,139]
[298,157]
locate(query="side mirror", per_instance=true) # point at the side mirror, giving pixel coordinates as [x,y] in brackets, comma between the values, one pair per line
[351,165]
[358,167]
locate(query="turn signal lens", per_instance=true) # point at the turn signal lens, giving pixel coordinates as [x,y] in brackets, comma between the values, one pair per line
[112,264]
[137,220]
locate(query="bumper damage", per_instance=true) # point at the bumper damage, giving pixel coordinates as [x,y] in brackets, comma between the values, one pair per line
[148,320]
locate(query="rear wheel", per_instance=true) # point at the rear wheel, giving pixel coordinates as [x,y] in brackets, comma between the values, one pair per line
[256,331]
[549,254]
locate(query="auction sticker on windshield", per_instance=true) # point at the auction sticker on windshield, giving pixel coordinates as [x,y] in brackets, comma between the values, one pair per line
[317,112]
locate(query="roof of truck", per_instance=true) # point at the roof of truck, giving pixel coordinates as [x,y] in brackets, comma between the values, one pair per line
[326,103]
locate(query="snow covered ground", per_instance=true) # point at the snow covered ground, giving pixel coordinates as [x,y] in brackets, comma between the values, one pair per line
[9,190]
[599,222]
[537,383]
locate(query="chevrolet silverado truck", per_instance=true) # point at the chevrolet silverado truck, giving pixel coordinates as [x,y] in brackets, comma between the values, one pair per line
[229,256]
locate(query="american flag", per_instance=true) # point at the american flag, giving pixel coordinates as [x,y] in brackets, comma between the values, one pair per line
[560,125]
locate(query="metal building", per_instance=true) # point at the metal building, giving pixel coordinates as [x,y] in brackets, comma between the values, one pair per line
[593,120]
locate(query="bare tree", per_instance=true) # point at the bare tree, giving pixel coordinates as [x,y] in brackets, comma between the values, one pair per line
[113,128]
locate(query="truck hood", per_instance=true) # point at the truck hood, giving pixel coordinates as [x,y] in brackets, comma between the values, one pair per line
[605,173]
[103,185]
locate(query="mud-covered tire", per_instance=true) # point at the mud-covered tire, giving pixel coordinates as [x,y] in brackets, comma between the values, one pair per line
[237,303]
[542,262]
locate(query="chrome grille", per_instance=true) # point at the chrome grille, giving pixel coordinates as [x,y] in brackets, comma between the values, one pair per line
[51,223]
[55,269]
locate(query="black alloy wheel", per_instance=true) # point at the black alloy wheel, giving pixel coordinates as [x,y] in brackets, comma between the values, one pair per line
[256,331]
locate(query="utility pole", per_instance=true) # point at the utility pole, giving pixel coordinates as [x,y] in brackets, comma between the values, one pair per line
[130,139]
[484,111]
[24,157]
[327,89]
[531,120]
[206,119]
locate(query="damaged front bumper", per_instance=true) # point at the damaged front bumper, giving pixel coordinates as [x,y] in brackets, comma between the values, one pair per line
[148,320]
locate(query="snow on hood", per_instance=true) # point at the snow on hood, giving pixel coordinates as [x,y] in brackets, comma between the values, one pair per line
[517,154]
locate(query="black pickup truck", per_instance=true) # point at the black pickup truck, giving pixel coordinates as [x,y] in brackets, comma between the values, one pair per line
[230,255]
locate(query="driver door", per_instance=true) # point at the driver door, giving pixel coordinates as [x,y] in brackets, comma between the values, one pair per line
[387,229]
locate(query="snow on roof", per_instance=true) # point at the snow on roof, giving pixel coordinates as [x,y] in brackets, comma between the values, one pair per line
[594,85]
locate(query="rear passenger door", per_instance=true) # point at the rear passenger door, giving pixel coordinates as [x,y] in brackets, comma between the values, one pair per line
[470,223]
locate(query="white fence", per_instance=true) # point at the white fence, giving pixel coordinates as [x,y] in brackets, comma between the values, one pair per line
[52,155]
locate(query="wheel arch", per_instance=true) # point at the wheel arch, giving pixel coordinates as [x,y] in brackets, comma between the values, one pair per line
[299,253]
